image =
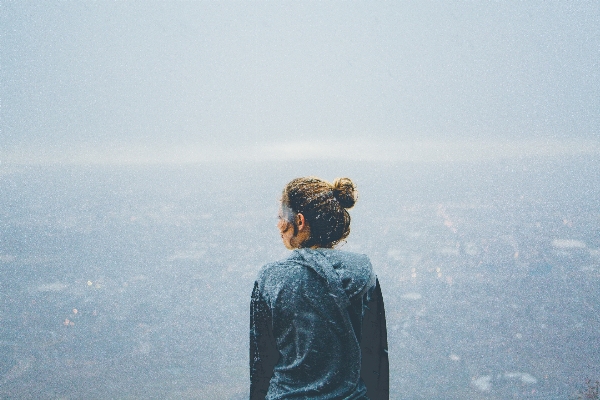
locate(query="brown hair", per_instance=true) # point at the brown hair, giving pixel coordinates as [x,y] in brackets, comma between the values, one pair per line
[324,208]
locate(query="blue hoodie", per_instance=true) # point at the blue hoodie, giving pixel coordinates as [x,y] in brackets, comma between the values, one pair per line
[317,329]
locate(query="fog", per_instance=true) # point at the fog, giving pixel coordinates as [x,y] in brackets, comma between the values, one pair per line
[133,79]
[144,147]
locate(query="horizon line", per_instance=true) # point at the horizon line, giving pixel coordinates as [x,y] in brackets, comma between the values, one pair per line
[349,150]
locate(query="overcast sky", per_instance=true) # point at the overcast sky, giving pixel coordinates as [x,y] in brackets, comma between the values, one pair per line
[138,79]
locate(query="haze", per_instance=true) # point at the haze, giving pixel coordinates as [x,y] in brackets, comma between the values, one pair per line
[144,147]
[194,81]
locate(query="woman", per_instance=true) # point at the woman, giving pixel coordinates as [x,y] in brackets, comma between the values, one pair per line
[317,320]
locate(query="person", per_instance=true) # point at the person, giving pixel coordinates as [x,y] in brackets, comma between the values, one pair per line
[317,318]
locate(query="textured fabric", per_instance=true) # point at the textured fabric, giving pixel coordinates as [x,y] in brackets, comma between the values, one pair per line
[307,318]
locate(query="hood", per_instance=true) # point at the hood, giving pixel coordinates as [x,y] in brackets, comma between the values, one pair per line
[343,270]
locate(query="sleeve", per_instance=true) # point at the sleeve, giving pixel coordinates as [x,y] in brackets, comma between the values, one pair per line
[263,350]
[375,370]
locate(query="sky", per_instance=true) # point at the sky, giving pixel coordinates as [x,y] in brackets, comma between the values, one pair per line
[197,80]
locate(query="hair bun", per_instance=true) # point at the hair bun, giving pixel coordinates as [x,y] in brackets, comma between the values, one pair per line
[345,192]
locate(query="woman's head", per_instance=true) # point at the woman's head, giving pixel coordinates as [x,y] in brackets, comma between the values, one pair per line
[315,211]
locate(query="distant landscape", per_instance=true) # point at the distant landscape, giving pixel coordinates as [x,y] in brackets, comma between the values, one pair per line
[134,281]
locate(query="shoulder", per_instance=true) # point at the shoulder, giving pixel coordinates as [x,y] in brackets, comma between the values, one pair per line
[278,268]
[283,275]
[345,262]
[355,270]
[282,270]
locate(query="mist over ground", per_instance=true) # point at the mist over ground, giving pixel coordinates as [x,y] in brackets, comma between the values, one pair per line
[134,281]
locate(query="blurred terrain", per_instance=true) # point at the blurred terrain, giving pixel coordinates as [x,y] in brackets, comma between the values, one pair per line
[134,281]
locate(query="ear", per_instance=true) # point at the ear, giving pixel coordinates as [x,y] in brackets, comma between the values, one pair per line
[300,222]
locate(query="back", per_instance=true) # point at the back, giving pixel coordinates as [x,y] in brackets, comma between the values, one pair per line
[306,326]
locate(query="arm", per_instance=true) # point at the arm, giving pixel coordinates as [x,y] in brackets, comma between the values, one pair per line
[263,350]
[375,371]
